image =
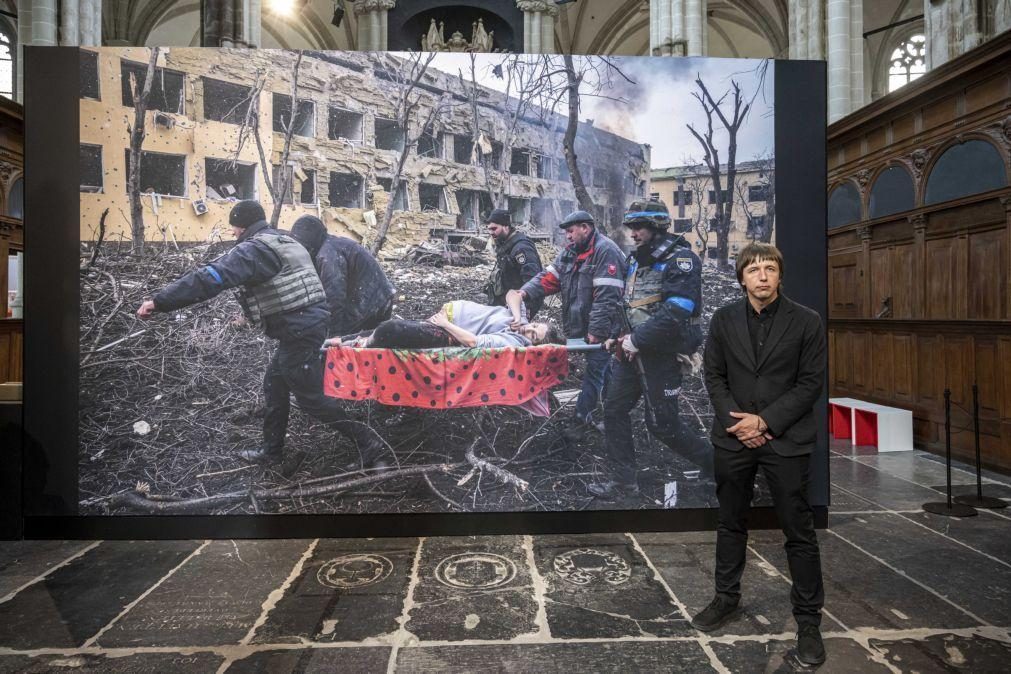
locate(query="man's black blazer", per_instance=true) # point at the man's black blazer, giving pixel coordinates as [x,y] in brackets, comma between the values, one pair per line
[782,387]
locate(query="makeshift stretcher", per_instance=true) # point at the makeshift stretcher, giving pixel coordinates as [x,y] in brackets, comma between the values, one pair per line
[450,378]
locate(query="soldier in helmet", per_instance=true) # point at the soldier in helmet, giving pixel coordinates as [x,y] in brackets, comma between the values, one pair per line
[280,290]
[663,298]
[516,259]
[588,275]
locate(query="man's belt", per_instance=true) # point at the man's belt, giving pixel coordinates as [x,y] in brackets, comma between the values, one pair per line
[643,301]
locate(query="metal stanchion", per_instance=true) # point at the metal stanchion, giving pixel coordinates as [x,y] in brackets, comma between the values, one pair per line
[947,507]
[979,501]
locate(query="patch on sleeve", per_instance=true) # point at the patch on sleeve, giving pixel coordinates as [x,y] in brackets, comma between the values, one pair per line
[612,270]
[685,263]
[521,258]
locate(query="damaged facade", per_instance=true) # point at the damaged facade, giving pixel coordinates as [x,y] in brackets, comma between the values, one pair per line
[344,149]
[690,197]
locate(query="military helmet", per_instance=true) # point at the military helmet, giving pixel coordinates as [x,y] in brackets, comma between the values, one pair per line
[575,218]
[652,213]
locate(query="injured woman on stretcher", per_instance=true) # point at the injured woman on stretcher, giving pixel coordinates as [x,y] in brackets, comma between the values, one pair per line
[458,323]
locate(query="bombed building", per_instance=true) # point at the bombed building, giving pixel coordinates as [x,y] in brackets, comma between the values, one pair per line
[205,149]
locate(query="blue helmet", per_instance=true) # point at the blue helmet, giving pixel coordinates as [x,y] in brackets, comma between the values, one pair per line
[650,213]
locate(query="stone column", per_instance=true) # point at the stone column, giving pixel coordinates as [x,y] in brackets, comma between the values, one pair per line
[1002,20]
[24,37]
[231,23]
[372,26]
[856,54]
[44,23]
[81,23]
[538,25]
[839,49]
[952,27]
[678,27]
[254,10]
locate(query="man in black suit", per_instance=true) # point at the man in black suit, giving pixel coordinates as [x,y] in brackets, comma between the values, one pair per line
[765,370]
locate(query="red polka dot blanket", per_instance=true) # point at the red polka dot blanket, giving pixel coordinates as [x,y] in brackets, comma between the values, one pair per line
[447,378]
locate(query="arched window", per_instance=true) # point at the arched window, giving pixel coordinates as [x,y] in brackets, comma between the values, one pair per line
[6,64]
[16,200]
[908,61]
[968,168]
[892,192]
[843,205]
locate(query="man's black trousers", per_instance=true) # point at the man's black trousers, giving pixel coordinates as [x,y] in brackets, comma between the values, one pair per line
[663,377]
[296,368]
[787,478]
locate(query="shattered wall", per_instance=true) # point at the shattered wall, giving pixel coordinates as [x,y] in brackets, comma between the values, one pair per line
[351,84]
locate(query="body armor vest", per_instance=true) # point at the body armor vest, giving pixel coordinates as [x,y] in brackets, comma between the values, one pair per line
[297,285]
[644,283]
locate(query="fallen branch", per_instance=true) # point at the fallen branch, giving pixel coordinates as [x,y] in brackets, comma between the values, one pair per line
[501,474]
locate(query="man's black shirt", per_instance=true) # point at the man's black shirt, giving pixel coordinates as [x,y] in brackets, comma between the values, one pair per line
[760,324]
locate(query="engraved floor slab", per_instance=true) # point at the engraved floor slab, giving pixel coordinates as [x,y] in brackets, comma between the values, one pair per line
[349,590]
[988,533]
[562,658]
[843,655]
[214,599]
[845,501]
[946,653]
[308,661]
[139,663]
[74,602]
[877,486]
[966,578]
[688,567]
[862,592]
[21,561]
[473,588]
[598,585]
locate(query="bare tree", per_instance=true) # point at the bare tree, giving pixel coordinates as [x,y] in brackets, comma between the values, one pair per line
[701,222]
[573,80]
[284,175]
[406,100]
[137,135]
[731,123]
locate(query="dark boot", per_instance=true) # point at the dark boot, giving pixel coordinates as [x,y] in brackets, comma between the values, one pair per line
[372,449]
[264,455]
[720,610]
[810,648]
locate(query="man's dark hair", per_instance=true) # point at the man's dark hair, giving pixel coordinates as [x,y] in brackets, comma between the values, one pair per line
[554,335]
[759,252]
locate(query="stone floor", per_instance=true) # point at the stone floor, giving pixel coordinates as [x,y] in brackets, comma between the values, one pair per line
[905,592]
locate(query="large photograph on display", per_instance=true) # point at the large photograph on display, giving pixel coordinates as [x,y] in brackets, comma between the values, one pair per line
[456,227]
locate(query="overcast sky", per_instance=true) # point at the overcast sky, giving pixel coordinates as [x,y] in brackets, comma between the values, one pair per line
[660,105]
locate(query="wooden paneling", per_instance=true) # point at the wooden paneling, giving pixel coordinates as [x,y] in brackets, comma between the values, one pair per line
[11,348]
[881,278]
[844,287]
[904,275]
[904,356]
[929,369]
[881,361]
[936,114]
[903,127]
[986,360]
[861,380]
[986,264]
[986,93]
[941,279]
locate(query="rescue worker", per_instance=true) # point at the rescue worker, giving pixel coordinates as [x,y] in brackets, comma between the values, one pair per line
[516,260]
[663,301]
[279,289]
[358,294]
[588,274]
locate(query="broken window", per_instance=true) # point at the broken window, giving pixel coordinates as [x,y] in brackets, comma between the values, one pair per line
[389,135]
[166,87]
[463,148]
[758,192]
[712,196]
[682,225]
[91,168]
[519,210]
[89,74]
[432,197]
[542,166]
[520,162]
[496,155]
[542,215]
[565,207]
[345,190]
[400,198]
[227,181]
[300,181]
[474,205]
[563,170]
[429,144]
[225,101]
[346,124]
[305,119]
[599,177]
[160,173]
[756,227]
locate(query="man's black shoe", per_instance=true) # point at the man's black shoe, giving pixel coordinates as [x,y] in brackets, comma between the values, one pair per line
[810,648]
[372,449]
[612,490]
[719,611]
[262,455]
[575,431]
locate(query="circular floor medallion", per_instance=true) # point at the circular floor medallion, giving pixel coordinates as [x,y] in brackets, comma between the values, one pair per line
[475,571]
[351,571]
[586,565]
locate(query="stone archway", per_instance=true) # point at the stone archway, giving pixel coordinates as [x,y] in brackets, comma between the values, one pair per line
[408,21]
